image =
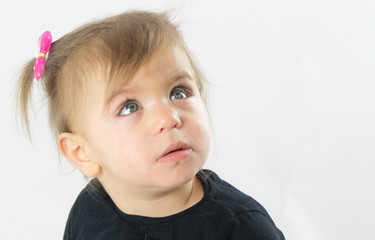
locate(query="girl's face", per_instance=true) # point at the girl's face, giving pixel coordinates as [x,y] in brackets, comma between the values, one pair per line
[155,133]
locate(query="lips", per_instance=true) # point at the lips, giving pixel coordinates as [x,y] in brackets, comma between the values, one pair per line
[176,152]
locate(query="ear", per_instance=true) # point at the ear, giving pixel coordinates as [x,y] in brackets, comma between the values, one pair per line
[74,148]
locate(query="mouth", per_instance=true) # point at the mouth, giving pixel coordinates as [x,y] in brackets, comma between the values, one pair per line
[176,152]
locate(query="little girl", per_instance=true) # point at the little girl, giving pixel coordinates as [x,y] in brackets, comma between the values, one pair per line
[127,106]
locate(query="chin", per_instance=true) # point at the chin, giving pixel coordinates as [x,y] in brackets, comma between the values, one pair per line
[179,178]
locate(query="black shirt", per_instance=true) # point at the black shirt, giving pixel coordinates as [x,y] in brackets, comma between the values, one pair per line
[223,213]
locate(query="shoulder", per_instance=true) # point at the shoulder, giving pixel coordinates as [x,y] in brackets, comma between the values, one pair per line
[247,217]
[252,224]
[229,197]
[92,210]
[91,199]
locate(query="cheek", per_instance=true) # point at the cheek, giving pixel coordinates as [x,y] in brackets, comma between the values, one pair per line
[105,141]
[126,147]
[203,133]
[201,128]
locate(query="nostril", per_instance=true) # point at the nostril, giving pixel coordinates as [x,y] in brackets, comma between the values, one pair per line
[164,118]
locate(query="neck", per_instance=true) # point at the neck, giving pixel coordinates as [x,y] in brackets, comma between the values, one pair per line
[164,204]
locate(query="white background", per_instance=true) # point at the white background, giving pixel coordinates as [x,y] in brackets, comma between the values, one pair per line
[292,106]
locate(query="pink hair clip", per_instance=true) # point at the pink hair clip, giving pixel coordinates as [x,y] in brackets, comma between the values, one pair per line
[44,43]
[172,25]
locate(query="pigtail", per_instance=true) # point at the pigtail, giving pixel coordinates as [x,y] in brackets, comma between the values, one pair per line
[24,93]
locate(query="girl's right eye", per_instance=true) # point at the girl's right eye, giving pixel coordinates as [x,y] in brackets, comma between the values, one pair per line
[128,108]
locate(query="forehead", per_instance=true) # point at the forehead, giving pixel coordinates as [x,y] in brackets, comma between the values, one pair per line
[167,63]
[164,63]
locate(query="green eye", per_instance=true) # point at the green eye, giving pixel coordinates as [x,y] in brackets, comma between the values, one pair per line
[177,94]
[129,108]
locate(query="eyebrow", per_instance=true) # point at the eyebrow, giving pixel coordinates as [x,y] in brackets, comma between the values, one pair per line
[180,75]
[116,94]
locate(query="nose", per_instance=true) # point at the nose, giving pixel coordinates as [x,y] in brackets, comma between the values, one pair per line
[164,117]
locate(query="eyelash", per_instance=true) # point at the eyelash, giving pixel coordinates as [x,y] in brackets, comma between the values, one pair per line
[187,90]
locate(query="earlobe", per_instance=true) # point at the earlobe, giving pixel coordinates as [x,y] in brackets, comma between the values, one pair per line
[73,147]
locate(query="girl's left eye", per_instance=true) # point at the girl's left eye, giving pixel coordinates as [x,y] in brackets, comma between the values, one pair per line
[178,94]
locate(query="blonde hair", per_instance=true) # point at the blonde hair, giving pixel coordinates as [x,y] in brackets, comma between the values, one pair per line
[116,46]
